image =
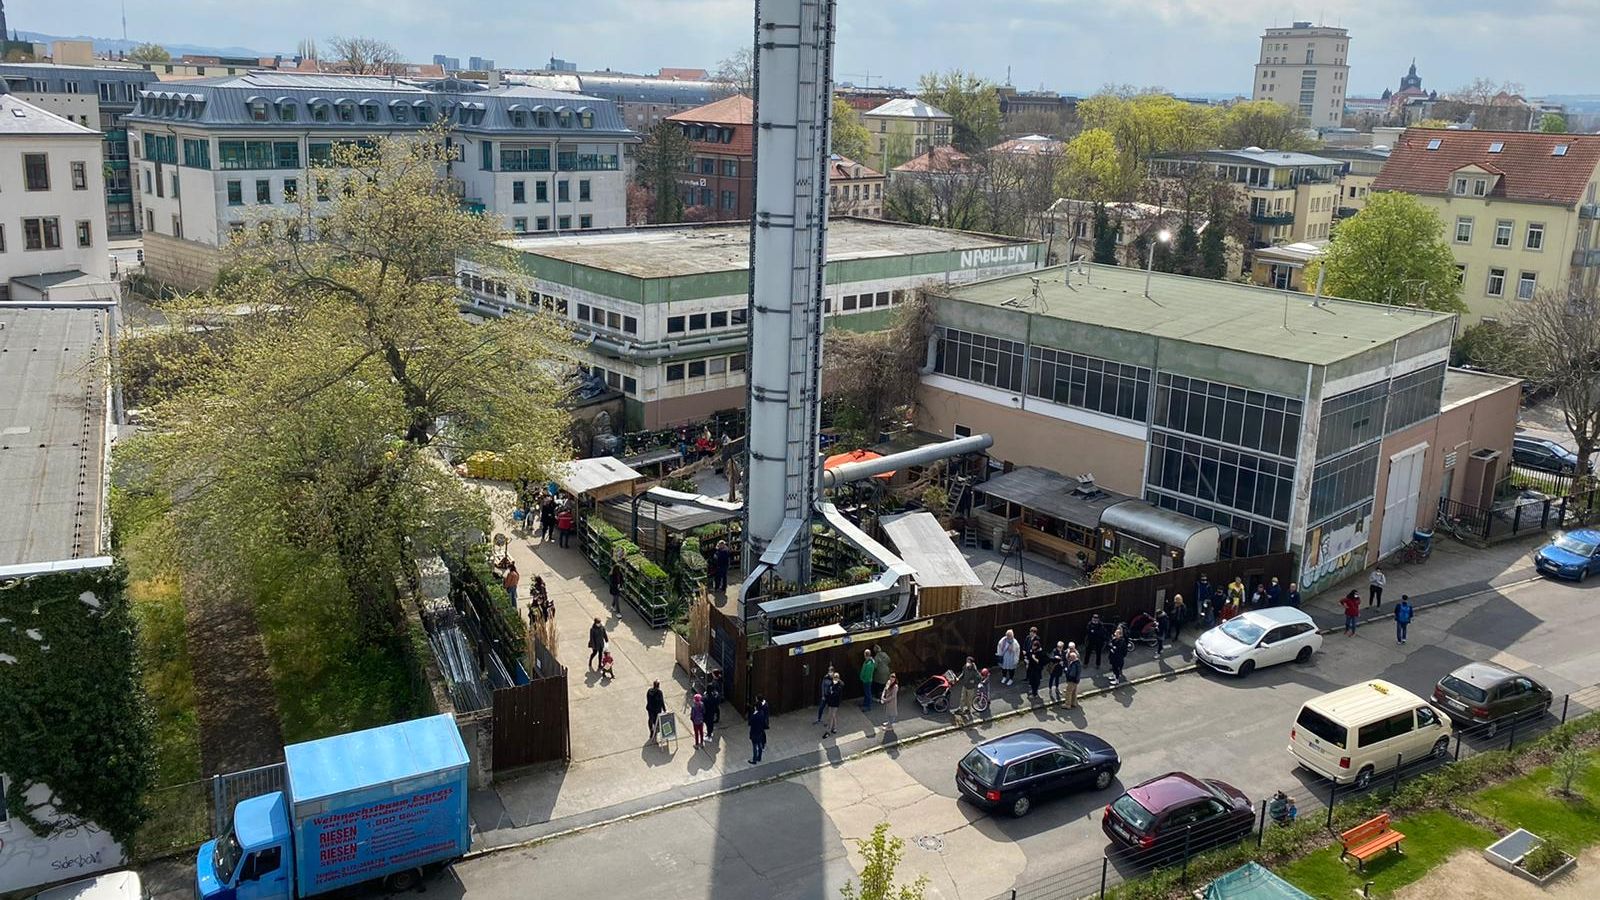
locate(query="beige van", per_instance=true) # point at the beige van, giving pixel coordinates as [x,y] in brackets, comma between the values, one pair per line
[1354,733]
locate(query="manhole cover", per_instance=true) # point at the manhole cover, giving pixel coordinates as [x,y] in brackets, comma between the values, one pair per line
[929,842]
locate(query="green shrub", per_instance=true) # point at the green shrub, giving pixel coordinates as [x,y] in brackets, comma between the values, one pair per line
[1544,859]
[858,574]
[604,530]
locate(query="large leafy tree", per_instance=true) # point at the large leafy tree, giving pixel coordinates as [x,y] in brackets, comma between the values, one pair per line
[145,52]
[1105,237]
[658,166]
[1264,123]
[1145,124]
[350,377]
[1213,244]
[1393,252]
[1094,168]
[972,103]
[849,137]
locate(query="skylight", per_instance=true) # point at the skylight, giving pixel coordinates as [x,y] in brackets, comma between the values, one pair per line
[1560,150]
[1434,144]
[1497,146]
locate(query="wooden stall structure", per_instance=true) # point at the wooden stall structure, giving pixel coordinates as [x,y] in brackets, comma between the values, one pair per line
[597,480]
[942,572]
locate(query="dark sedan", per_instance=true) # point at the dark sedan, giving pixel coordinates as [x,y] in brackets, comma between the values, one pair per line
[1013,771]
[1485,697]
[1543,455]
[1176,813]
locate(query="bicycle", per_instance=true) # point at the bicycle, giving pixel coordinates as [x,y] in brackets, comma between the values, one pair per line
[1416,552]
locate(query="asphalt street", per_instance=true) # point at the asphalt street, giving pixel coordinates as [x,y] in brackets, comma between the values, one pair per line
[794,837]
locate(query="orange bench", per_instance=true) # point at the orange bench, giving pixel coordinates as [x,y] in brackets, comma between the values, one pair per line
[1369,839]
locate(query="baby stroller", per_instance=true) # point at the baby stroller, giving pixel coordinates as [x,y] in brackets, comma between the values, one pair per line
[1142,629]
[934,692]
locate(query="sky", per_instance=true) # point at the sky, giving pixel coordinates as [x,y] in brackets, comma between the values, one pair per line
[1075,46]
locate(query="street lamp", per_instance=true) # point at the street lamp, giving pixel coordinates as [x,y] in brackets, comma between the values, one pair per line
[1150,264]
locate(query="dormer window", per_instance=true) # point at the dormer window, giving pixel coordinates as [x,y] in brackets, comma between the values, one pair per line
[286,110]
[1461,185]
[585,119]
[518,119]
[346,112]
[1497,147]
[564,118]
[319,113]
[258,110]
[1480,186]
[399,113]
[424,113]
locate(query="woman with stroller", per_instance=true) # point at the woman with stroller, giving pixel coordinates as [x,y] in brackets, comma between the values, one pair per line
[1118,652]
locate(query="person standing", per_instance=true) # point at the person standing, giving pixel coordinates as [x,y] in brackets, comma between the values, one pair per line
[881,669]
[1229,611]
[1058,665]
[697,717]
[1375,586]
[1174,609]
[868,680]
[1035,668]
[1008,651]
[1274,592]
[1202,600]
[614,582]
[721,559]
[1352,612]
[1402,618]
[1118,652]
[1236,592]
[1163,629]
[758,729]
[967,683]
[890,698]
[547,519]
[655,703]
[597,642]
[822,694]
[1072,676]
[713,703]
[1292,598]
[833,699]
[565,525]
[510,581]
[1094,640]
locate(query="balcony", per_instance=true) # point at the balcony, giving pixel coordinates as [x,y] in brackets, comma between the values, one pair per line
[1589,211]
[1585,259]
[1270,217]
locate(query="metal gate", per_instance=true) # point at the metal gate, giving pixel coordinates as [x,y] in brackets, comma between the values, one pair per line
[229,789]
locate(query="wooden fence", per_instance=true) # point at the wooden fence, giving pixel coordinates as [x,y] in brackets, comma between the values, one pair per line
[789,677]
[530,720]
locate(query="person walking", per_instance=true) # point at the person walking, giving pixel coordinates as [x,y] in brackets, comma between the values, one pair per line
[547,519]
[510,581]
[890,698]
[1163,628]
[1202,601]
[967,684]
[1174,610]
[1402,618]
[713,697]
[614,582]
[597,642]
[1258,599]
[1292,597]
[697,717]
[1352,611]
[655,703]
[1035,663]
[835,697]
[1094,640]
[721,559]
[1375,585]
[1009,652]
[1072,676]
[758,729]
[868,680]
[1058,665]
[1117,651]
[566,523]
[822,694]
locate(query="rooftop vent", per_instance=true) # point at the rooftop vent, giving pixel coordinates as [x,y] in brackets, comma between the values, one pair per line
[1086,486]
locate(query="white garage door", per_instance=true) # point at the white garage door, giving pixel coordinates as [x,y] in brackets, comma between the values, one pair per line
[1400,500]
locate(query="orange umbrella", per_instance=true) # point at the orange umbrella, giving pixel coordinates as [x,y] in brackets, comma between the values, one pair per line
[855,456]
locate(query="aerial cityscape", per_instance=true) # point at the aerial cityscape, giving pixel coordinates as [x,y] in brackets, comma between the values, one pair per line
[1035,452]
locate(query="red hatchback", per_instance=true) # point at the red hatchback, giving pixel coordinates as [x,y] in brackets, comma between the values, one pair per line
[1166,815]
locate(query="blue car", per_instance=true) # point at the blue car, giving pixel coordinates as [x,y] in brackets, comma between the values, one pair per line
[1571,555]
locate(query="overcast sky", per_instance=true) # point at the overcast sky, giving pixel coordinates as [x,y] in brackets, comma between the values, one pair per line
[1070,45]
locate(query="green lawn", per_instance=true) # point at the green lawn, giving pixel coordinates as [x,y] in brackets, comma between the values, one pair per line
[1431,838]
[1528,803]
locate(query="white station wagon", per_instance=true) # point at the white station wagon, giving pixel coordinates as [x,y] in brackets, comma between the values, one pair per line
[1258,638]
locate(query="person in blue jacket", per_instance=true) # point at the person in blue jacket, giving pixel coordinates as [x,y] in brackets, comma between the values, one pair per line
[1402,618]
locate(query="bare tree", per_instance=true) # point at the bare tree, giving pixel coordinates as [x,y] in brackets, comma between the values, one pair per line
[738,71]
[1553,341]
[363,55]
[1491,106]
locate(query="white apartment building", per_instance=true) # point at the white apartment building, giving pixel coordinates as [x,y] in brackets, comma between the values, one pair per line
[1304,67]
[52,207]
[212,155]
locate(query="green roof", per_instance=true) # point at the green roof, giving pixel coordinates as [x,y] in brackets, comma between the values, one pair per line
[1223,314]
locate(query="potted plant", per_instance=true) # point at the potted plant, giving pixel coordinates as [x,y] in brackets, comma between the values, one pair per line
[1545,863]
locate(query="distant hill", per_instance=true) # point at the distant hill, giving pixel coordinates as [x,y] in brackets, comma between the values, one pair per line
[116,45]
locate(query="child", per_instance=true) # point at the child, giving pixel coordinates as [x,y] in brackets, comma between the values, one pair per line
[605,663]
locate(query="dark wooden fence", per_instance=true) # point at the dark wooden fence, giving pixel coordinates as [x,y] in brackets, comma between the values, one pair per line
[530,720]
[789,676]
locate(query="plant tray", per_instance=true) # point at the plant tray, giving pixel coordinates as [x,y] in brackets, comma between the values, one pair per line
[1509,851]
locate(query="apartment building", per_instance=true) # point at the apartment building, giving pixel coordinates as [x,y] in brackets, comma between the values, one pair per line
[52,207]
[215,154]
[643,101]
[1289,197]
[905,128]
[1328,428]
[854,189]
[663,310]
[96,97]
[1520,208]
[720,183]
[1358,169]
[1304,67]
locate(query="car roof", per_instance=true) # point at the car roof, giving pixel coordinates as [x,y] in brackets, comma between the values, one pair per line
[1017,745]
[1587,535]
[1273,616]
[1484,674]
[1360,700]
[1168,790]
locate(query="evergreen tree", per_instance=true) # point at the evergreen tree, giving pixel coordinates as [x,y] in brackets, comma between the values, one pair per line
[1105,237]
[1213,251]
[1186,249]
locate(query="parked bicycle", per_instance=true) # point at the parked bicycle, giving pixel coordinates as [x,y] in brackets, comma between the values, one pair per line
[1416,552]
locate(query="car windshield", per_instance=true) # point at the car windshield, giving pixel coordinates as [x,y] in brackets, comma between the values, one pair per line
[1131,812]
[1243,631]
[226,859]
[981,767]
[1321,726]
[1463,688]
[1074,750]
[1572,545]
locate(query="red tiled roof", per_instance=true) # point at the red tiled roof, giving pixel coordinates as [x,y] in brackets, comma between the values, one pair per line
[1528,170]
[844,167]
[943,158]
[683,74]
[735,110]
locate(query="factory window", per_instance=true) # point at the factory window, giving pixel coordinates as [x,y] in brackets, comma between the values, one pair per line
[583,312]
[736,362]
[675,324]
[1217,475]
[975,357]
[737,316]
[697,369]
[630,325]
[848,303]
[719,320]
[716,366]
[675,372]
[1414,396]
[1089,383]
[883,298]
[1227,414]
[1344,481]
[697,322]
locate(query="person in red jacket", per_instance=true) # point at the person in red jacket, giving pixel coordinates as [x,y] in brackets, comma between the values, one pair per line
[1352,611]
[565,525]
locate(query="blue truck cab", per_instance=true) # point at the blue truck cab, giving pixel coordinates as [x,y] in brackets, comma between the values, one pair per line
[385,804]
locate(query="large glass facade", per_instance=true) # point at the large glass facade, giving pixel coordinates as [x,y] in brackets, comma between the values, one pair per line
[1344,481]
[975,357]
[1227,414]
[1415,396]
[1352,419]
[1218,475]
[1087,382]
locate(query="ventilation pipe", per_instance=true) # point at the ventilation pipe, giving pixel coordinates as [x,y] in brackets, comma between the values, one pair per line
[920,456]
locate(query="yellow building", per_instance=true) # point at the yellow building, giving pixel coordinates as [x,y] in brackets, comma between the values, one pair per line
[1519,208]
[1359,168]
[903,129]
[854,189]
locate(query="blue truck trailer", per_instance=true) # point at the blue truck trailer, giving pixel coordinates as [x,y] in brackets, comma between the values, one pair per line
[382,805]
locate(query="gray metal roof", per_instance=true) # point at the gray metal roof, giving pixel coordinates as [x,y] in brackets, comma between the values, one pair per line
[53,361]
[1164,526]
[623,89]
[55,75]
[1051,493]
[1279,158]
[581,476]
[19,118]
[910,108]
